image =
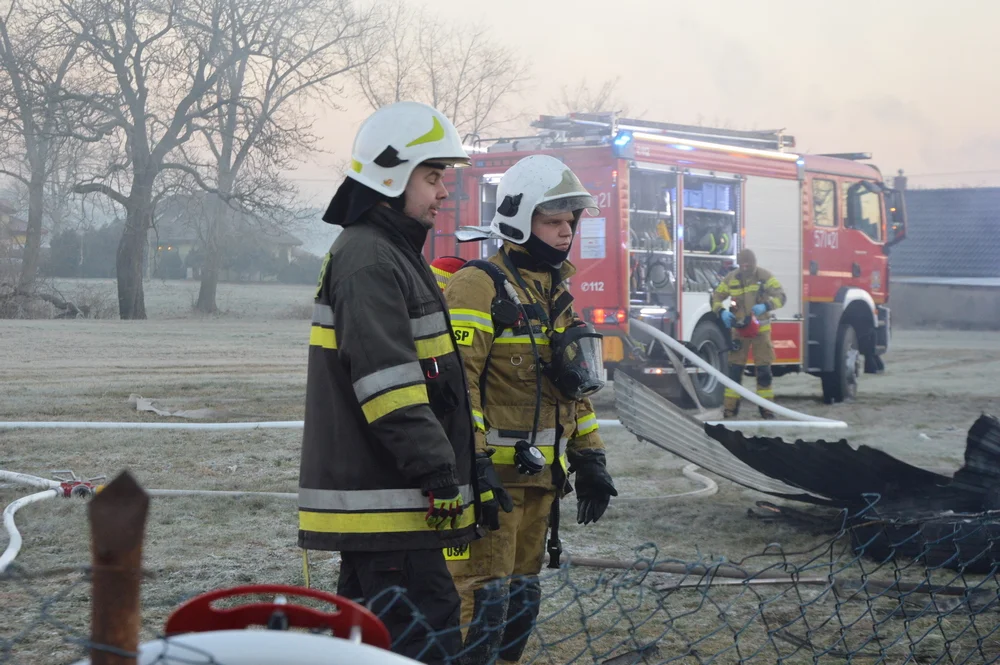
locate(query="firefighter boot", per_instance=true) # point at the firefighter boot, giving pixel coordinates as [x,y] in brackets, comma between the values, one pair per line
[731,405]
[764,390]
[522,611]
[482,640]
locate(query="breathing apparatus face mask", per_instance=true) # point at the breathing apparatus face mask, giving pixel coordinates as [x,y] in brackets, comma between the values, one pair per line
[577,366]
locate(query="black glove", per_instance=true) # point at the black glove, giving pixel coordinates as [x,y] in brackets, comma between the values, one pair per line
[444,507]
[492,495]
[594,487]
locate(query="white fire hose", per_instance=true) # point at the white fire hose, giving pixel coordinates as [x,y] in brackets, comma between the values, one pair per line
[53,488]
[14,542]
[50,489]
[28,480]
[796,418]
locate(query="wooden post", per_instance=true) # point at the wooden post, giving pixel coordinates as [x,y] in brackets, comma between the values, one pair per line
[117,526]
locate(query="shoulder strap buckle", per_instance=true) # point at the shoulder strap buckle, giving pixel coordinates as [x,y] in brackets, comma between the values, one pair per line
[504,312]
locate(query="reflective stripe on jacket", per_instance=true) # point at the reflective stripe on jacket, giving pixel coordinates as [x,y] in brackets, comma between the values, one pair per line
[746,291]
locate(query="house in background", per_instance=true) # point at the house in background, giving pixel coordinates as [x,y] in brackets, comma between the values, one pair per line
[175,245]
[169,241]
[13,235]
[947,271]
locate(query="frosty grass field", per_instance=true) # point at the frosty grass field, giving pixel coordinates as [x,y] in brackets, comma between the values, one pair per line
[249,363]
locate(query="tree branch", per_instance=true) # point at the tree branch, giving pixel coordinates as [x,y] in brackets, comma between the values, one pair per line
[98,188]
[16,176]
[197,177]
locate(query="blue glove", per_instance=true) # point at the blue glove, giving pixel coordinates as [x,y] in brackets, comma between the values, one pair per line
[759,308]
[728,318]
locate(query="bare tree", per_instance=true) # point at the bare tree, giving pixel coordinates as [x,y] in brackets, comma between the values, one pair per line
[581,98]
[153,61]
[389,56]
[33,65]
[62,207]
[308,46]
[460,71]
[470,77]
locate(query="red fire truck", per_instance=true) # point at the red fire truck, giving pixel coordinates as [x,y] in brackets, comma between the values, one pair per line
[677,203]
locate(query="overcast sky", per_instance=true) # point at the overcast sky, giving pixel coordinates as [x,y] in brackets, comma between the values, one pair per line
[914,82]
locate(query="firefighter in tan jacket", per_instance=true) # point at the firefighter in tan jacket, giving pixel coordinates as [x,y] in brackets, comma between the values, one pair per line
[534,422]
[754,293]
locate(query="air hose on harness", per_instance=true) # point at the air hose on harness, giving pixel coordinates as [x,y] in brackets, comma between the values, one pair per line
[537,358]
[531,450]
[554,545]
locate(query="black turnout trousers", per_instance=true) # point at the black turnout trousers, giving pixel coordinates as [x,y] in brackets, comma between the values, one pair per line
[429,589]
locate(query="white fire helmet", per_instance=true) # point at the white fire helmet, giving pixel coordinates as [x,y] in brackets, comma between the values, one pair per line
[538,182]
[396,139]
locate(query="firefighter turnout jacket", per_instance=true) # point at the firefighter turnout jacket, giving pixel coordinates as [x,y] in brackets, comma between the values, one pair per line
[387,409]
[760,286]
[505,413]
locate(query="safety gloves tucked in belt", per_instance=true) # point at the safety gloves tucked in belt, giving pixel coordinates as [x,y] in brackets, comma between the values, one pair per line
[492,495]
[445,506]
[594,487]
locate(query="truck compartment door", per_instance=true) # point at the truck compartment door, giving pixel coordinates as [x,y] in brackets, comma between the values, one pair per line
[774,233]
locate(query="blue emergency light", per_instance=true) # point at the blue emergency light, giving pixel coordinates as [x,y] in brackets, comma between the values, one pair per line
[622,140]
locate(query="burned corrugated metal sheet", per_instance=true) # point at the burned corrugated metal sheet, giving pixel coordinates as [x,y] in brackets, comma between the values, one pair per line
[855,478]
[652,418]
[834,469]
[970,543]
[892,508]
[831,473]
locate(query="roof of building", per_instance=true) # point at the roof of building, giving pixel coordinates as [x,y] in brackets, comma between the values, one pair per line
[985,282]
[10,224]
[950,233]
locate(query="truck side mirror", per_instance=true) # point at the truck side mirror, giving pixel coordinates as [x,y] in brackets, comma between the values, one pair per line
[896,206]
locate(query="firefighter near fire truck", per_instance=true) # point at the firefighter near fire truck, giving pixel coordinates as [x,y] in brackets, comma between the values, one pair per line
[754,293]
[531,364]
[388,455]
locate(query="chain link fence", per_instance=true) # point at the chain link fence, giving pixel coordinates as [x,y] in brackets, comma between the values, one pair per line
[875,591]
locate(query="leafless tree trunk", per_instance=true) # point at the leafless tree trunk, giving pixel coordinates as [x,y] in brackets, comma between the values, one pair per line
[161,58]
[309,46]
[33,66]
[63,207]
[211,243]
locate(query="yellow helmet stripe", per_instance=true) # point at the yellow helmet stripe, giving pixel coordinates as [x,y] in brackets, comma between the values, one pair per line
[436,134]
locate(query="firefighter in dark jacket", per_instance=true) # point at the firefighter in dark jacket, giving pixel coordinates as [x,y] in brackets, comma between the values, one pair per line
[534,422]
[754,294]
[388,471]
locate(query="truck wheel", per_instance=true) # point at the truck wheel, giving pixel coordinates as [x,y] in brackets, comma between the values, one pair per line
[709,343]
[842,383]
